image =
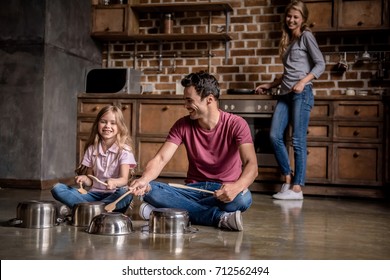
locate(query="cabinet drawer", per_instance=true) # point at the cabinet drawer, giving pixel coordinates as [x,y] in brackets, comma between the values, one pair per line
[319,130]
[157,119]
[358,110]
[358,164]
[320,111]
[147,148]
[92,108]
[358,132]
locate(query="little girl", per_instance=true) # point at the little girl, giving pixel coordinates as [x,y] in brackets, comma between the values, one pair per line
[108,156]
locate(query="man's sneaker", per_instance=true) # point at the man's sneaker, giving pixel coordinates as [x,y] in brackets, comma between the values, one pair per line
[284,188]
[231,221]
[145,210]
[289,195]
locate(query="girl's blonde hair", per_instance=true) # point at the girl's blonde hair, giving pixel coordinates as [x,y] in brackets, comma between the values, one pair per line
[123,140]
[286,33]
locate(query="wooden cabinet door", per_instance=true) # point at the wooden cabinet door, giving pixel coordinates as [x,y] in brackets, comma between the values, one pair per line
[148,147]
[319,157]
[362,14]
[114,20]
[321,15]
[109,19]
[358,164]
[157,118]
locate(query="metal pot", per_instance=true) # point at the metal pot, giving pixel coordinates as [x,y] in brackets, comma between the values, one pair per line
[169,221]
[83,213]
[111,223]
[35,214]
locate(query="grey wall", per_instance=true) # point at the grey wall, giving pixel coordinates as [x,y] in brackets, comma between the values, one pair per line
[45,49]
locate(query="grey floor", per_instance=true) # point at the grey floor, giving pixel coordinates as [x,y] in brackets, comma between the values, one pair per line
[318,228]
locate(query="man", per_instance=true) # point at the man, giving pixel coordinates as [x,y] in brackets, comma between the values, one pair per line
[221,159]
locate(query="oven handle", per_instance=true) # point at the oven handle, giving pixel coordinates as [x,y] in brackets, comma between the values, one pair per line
[259,115]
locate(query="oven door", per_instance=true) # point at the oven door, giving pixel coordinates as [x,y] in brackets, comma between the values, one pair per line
[259,125]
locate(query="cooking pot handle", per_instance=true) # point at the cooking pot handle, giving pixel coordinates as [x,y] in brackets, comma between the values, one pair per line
[15,221]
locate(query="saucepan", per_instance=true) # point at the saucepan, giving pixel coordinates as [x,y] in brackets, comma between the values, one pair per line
[170,221]
[36,214]
[110,223]
[83,213]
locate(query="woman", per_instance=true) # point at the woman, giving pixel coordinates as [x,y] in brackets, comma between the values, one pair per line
[303,62]
[108,156]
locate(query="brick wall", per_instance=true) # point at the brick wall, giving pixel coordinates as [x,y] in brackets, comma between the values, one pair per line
[252,54]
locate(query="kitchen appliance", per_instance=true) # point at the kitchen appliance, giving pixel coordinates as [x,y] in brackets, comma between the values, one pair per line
[113,80]
[258,114]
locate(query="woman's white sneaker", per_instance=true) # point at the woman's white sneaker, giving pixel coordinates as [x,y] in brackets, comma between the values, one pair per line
[285,187]
[289,195]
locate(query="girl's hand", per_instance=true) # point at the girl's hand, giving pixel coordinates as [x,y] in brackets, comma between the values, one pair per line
[83,179]
[111,185]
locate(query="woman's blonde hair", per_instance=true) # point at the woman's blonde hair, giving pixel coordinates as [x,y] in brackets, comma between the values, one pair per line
[286,33]
[123,140]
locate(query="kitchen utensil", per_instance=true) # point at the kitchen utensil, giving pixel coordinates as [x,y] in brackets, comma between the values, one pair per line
[110,224]
[169,221]
[84,212]
[342,65]
[366,55]
[35,214]
[350,91]
[81,189]
[180,186]
[97,180]
[111,206]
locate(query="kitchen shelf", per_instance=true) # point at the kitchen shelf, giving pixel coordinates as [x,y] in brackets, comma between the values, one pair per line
[183,7]
[166,37]
[124,23]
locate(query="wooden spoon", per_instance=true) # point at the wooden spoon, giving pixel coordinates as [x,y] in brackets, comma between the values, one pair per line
[111,206]
[97,179]
[81,189]
[180,186]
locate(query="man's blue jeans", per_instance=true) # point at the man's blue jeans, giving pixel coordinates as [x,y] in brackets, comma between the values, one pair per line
[292,108]
[203,208]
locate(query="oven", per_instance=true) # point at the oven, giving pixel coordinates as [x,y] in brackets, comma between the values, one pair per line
[258,114]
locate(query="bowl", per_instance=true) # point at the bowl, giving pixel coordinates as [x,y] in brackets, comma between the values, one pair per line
[111,223]
[35,214]
[169,221]
[83,213]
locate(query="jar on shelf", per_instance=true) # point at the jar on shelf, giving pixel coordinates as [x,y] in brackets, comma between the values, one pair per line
[168,24]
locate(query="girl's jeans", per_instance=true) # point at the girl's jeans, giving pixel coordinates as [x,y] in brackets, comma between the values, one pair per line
[70,197]
[203,208]
[294,108]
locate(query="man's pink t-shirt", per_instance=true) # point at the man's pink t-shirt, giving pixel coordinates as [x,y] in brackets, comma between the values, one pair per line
[212,154]
[107,164]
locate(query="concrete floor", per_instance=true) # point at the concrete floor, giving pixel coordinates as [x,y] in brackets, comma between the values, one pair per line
[318,228]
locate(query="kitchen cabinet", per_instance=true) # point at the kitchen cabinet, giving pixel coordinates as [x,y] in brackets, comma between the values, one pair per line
[148,119]
[358,142]
[348,15]
[113,21]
